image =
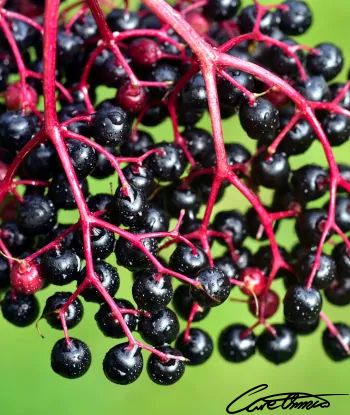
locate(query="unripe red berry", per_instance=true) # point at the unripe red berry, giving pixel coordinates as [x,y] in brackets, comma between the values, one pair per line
[26,277]
[254,281]
[17,97]
[145,52]
[131,98]
[198,22]
[268,304]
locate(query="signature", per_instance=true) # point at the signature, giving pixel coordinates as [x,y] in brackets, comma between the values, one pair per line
[284,401]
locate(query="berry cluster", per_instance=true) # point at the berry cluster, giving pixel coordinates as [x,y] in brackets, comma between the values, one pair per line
[173,63]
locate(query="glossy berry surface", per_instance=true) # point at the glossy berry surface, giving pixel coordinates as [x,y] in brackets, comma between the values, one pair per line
[296,19]
[102,242]
[260,121]
[331,344]
[36,215]
[20,309]
[236,344]
[109,278]
[159,327]
[325,274]
[165,373]
[111,126]
[198,347]
[72,316]
[302,305]
[183,303]
[279,348]
[214,287]
[187,261]
[152,291]
[109,325]
[122,365]
[70,359]
[271,171]
[327,61]
[169,163]
[60,266]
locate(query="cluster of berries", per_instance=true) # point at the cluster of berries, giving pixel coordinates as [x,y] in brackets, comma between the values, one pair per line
[174,63]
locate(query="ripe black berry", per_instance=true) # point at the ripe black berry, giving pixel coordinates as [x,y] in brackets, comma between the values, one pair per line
[40,163]
[138,145]
[247,18]
[328,61]
[16,129]
[299,138]
[232,223]
[337,128]
[100,201]
[169,163]
[182,197]
[111,126]
[72,316]
[284,64]
[130,257]
[120,20]
[342,259]
[36,215]
[123,365]
[194,95]
[214,287]
[160,327]
[270,171]
[326,271]
[15,240]
[60,266]
[155,219]
[222,9]
[165,372]
[102,243]
[19,309]
[70,359]
[309,225]
[128,207]
[68,47]
[61,193]
[83,157]
[342,213]
[302,305]
[187,261]
[229,95]
[236,344]
[109,278]
[183,303]
[309,183]
[260,121]
[227,266]
[297,19]
[315,88]
[331,344]
[338,293]
[152,291]
[197,348]
[109,325]
[280,348]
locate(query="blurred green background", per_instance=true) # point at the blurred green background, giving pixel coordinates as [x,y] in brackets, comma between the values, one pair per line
[28,386]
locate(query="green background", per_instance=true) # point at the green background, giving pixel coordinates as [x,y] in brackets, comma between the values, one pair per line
[28,386]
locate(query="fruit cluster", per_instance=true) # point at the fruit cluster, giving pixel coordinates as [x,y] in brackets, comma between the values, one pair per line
[175,63]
